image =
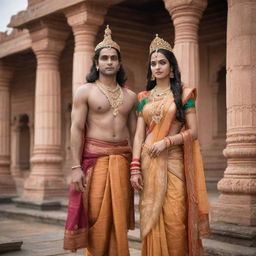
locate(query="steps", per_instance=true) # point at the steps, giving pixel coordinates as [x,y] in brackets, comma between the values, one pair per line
[218,248]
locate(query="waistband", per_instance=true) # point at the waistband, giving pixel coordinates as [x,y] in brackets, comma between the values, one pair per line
[96,146]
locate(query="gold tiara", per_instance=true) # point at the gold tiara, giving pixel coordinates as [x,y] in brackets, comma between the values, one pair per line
[107,41]
[159,43]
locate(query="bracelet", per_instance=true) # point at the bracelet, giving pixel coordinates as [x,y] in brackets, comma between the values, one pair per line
[76,166]
[170,140]
[136,160]
[135,172]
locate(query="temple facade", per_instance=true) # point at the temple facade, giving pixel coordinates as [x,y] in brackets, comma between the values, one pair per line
[48,55]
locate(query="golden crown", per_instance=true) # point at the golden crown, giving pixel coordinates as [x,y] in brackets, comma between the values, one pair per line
[159,43]
[107,41]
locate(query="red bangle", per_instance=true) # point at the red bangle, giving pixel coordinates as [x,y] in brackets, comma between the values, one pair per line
[135,160]
[134,164]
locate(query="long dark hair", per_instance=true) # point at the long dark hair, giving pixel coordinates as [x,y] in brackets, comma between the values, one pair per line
[94,74]
[175,82]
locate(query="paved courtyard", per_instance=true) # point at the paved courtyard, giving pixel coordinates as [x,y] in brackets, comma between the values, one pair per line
[39,239]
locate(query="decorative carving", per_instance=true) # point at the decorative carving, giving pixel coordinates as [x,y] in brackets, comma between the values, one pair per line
[237,185]
[241,108]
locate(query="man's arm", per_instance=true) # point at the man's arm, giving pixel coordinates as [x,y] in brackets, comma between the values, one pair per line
[78,117]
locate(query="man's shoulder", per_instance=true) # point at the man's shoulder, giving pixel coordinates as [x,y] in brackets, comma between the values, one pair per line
[130,93]
[84,90]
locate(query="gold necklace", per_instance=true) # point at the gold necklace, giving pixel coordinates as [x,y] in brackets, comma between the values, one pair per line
[115,97]
[157,111]
[160,93]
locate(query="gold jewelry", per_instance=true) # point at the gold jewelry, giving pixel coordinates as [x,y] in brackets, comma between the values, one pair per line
[97,68]
[107,41]
[157,112]
[152,77]
[171,74]
[114,96]
[159,43]
[76,166]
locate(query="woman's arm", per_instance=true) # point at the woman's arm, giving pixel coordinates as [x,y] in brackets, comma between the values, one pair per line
[177,139]
[139,138]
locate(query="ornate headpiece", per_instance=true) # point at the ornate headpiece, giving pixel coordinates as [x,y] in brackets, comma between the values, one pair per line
[159,43]
[107,41]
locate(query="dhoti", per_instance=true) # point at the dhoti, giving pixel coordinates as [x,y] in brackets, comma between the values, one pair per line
[108,200]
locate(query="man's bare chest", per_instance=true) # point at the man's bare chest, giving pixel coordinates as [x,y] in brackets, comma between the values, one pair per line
[100,104]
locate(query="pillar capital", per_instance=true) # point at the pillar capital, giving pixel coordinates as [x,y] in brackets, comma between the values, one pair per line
[48,35]
[175,5]
[186,15]
[86,13]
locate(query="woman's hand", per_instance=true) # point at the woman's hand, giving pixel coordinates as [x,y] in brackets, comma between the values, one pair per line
[137,181]
[157,148]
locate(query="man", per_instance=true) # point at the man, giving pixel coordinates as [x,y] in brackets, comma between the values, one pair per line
[101,198]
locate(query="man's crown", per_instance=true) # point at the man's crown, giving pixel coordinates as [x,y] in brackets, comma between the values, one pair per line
[159,43]
[107,41]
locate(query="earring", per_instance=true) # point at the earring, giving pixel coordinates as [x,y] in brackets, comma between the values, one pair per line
[152,77]
[97,68]
[171,74]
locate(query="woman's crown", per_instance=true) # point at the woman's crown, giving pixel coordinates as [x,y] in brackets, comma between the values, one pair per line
[107,41]
[159,43]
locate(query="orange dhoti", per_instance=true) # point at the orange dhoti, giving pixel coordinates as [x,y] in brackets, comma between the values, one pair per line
[110,201]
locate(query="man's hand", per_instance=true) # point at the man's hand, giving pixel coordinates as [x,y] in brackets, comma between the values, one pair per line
[78,180]
[157,148]
[137,181]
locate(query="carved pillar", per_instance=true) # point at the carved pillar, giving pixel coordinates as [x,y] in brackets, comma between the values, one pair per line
[85,20]
[46,179]
[237,202]
[7,184]
[186,16]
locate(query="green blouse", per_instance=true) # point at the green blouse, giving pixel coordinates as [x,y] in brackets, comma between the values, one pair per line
[189,104]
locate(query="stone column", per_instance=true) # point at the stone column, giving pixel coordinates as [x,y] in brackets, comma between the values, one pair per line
[186,16]
[46,180]
[7,184]
[85,20]
[237,202]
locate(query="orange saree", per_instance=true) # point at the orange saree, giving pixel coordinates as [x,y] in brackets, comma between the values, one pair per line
[173,204]
[107,203]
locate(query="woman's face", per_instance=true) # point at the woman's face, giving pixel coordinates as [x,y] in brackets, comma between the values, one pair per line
[160,66]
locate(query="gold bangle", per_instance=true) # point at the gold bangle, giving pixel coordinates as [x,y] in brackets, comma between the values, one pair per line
[76,166]
[170,141]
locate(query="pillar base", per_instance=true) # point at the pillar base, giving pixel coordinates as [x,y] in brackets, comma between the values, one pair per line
[7,185]
[230,239]
[42,205]
[45,188]
[6,199]
[237,209]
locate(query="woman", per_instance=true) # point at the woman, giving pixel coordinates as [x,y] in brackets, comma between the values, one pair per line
[167,166]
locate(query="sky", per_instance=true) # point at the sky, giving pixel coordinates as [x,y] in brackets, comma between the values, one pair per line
[9,8]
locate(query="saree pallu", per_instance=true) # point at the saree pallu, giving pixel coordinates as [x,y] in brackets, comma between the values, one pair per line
[172,180]
[99,218]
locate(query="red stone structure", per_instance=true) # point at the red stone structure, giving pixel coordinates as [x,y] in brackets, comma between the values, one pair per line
[48,55]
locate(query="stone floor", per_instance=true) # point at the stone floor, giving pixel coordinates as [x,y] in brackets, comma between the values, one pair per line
[39,239]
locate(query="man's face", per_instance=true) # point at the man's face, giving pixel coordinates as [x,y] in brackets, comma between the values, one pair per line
[108,62]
